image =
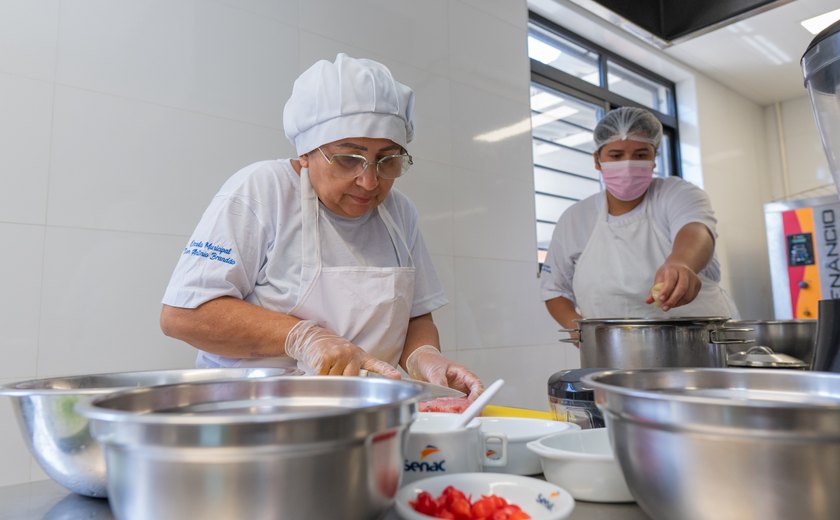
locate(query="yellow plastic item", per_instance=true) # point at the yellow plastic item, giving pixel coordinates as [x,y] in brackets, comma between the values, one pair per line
[507,411]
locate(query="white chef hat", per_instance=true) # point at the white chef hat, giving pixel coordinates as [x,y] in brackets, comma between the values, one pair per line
[348,98]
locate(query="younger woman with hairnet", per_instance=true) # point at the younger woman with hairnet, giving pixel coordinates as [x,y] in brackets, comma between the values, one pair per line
[316,261]
[641,249]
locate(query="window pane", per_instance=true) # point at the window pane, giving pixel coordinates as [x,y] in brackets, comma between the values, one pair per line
[638,88]
[560,53]
[554,183]
[663,158]
[544,232]
[550,208]
[562,119]
[563,159]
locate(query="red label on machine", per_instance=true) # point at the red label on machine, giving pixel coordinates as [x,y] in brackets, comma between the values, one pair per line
[803,273]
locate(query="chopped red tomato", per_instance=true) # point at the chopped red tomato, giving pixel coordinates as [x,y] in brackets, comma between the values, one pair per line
[453,503]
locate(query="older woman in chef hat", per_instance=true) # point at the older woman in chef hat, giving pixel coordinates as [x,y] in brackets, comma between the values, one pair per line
[640,249]
[317,261]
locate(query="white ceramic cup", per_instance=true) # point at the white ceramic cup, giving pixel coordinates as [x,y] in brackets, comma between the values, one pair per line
[434,448]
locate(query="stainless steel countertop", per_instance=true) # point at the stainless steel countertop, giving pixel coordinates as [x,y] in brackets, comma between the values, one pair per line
[46,500]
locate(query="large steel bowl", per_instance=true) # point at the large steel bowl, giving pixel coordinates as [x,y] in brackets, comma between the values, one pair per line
[59,438]
[271,448]
[792,337]
[739,444]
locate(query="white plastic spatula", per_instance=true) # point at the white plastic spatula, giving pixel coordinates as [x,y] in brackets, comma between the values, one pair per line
[462,419]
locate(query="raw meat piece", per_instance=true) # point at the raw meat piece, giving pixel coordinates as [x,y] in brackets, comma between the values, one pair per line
[444,404]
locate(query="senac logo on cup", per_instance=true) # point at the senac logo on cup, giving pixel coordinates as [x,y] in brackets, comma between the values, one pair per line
[422,465]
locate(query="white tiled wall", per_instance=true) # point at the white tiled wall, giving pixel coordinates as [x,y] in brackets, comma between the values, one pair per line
[808,172]
[119,120]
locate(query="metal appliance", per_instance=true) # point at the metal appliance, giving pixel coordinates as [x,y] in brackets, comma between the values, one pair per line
[802,242]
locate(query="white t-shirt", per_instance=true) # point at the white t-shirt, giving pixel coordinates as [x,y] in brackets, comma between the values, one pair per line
[673,204]
[248,244]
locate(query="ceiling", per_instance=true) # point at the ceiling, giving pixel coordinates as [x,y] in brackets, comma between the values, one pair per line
[755,54]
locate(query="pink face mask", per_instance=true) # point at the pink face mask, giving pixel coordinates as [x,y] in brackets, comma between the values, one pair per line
[627,180]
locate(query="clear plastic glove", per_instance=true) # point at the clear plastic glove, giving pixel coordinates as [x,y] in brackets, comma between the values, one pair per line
[330,354]
[428,364]
[675,285]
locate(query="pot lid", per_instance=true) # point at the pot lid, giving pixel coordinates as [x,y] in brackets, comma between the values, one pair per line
[657,321]
[763,357]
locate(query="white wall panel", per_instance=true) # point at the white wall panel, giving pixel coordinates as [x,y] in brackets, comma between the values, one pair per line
[25,124]
[128,165]
[28,35]
[492,133]
[21,258]
[487,52]
[193,54]
[101,302]
[499,304]
[493,217]
[414,33]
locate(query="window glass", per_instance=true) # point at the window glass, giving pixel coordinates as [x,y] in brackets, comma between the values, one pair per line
[549,208]
[663,158]
[562,54]
[638,88]
[569,186]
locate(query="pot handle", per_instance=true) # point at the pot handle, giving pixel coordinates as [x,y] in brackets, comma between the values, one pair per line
[572,333]
[725,341]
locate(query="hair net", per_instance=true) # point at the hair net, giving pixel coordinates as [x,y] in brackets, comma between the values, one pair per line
[347,98]
[628,123]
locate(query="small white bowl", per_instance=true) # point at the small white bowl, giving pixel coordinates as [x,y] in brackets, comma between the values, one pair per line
[518,432]
[583,462]
[541,500]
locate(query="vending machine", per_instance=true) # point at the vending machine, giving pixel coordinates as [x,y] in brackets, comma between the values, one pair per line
[802,241]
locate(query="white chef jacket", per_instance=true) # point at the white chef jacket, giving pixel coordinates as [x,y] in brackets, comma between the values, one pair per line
[673,203]
[248,245]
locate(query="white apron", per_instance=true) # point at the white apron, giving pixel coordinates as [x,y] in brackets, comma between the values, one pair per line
[615,272]
[369,306]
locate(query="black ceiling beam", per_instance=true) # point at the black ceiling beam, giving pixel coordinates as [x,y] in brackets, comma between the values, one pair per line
[674,19]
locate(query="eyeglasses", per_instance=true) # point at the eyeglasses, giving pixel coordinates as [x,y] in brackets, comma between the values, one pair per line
[351,165]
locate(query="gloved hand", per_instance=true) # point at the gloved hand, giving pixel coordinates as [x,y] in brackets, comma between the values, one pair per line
[329,354]
[675,285]
[428,364]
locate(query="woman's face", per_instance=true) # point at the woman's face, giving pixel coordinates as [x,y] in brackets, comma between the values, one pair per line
[624,151]
[350,197]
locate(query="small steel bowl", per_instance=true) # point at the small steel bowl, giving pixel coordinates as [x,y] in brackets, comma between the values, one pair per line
[59,438]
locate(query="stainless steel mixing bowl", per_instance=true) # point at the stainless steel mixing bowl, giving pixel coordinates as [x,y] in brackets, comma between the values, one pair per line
[59,438]
[739,444]
[271,448]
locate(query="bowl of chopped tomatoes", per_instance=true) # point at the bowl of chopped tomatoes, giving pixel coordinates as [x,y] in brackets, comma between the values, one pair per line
[480,496]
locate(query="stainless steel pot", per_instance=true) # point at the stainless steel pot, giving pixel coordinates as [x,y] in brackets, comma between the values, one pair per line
[726,444]
[653,343]
[792,337]
[272,448]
